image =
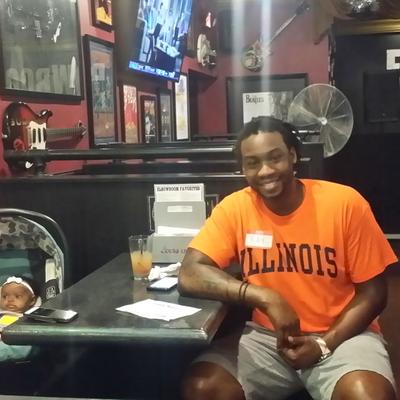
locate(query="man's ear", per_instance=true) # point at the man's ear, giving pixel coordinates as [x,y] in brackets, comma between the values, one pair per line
[293,155]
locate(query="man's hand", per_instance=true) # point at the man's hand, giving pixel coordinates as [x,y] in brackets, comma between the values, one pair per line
[302,352]
[285,320]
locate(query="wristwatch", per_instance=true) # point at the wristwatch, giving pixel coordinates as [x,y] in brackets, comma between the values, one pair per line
[325,352]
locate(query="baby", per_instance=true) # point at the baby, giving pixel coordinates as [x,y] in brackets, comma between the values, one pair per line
[18,294]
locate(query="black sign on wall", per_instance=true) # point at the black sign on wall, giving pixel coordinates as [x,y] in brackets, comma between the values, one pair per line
[361,72]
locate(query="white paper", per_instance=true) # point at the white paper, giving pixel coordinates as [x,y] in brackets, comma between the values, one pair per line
[155,309]
[275,104]
[179,209]
[391,56]
[258,240]
[173,230]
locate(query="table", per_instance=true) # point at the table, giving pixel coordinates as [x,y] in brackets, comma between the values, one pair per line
[96,297]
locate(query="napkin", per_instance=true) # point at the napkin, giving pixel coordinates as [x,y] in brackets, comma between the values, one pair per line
[155,309]
[161,272]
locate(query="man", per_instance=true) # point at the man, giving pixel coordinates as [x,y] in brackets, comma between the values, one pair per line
[312,258]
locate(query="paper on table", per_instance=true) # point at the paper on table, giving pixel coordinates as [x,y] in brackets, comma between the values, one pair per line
[155,309]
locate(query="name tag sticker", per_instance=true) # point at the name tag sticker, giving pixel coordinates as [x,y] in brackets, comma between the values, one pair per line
[259,240]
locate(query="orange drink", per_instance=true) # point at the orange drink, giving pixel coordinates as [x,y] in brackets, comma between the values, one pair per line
[141,255]
[141,264]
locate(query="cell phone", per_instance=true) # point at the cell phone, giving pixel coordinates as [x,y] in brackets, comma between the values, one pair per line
[50,315]
[163,284]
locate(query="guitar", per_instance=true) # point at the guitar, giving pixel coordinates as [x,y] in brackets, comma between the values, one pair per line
[23,129]
[253,56]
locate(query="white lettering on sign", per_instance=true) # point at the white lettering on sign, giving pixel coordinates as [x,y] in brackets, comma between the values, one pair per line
[55,79]
[179,192]
[258,240]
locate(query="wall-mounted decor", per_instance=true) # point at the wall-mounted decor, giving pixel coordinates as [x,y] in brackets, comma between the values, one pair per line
[192,32]
[129,114]
[251,96]
[166,115]
[181,90]
[102,14]
[40,49]
[100,86]
[149,118]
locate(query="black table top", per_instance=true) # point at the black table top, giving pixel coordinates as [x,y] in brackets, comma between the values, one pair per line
[96,297]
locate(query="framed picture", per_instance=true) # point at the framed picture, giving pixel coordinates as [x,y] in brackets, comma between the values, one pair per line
[129,114]
[193,32]
[40,49]
[149,118]
[166,115]
[100,86]
[252,96]
[182,108]
[102,14]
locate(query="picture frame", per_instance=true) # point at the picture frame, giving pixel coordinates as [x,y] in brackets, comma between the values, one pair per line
[129,114]
[182,115]
[166,115]
[149,118]
[40,49]
[251,96]
[100,87]
[102,14]
[191,45]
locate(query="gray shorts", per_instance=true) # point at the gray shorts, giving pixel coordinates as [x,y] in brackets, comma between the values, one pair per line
[258,367]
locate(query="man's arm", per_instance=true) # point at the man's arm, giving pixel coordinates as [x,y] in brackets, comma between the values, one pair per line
[199,276]
[368,302]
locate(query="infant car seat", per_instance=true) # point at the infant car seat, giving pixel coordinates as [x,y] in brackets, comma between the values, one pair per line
[28,248]
[31,244]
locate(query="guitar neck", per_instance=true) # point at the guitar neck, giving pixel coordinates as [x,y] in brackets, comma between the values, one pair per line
[64,133]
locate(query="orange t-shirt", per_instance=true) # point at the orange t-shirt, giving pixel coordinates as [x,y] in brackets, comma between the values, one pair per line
[312,256]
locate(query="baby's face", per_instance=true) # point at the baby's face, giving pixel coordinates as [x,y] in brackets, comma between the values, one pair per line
[16,297]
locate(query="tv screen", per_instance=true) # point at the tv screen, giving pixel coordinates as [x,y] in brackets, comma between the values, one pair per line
[150,35]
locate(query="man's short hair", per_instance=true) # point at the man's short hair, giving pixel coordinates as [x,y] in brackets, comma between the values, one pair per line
[268,124]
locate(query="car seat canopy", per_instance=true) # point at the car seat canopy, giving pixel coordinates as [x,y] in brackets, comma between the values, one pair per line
[19,233]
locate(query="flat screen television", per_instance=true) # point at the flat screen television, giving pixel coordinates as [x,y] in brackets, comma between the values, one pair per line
[150,35]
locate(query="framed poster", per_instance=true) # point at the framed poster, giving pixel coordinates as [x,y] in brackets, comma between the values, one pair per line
[100,86]
[149,118]
[182,108]
[129,114]
[102,14]
[252,96]
[40,49]
[166,115]
[193,32]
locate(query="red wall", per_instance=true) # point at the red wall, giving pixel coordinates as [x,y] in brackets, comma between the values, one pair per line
[292,52]
[64,116]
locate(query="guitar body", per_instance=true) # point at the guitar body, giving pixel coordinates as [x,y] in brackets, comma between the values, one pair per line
[23,129]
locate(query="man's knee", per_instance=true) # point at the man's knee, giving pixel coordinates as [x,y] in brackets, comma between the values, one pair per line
[363,385]
[208,381]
